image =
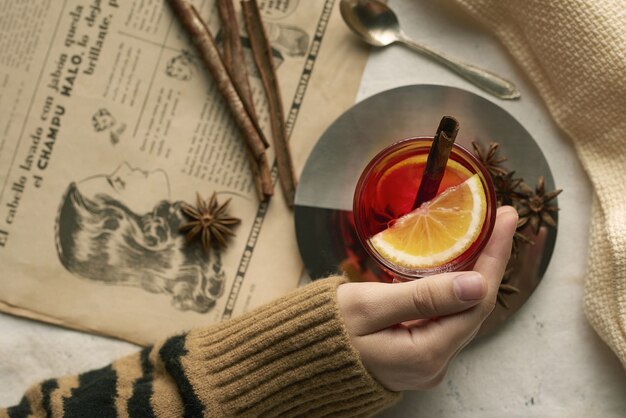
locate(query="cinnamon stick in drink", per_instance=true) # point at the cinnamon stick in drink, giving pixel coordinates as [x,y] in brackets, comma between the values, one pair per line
[437,160]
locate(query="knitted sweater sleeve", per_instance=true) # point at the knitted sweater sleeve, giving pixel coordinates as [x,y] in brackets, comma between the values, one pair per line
[289,358]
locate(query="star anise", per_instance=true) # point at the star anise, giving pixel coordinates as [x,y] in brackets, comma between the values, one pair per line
[503,291]
[489,158]
[506,289]
[506,188]
[518,240]
[534,207]
[209,220]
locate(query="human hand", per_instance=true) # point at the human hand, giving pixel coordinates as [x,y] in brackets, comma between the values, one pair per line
[391,325]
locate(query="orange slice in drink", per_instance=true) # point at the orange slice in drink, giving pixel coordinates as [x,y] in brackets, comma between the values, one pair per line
[438,231]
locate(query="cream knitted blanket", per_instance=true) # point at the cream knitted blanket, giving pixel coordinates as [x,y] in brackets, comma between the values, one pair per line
[574,51]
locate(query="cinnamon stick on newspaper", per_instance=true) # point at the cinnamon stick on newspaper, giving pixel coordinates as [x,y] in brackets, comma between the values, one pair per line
[261,175]
[202,38]
[234,59]
[235,63]
[262,53]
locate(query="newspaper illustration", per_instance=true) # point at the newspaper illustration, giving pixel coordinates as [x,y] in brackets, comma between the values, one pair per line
[106,233]
[108,122]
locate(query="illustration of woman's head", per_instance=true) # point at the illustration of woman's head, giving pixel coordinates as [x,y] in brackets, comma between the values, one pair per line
[121,229]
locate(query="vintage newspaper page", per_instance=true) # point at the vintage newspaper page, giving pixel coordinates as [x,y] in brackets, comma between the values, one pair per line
[108,122]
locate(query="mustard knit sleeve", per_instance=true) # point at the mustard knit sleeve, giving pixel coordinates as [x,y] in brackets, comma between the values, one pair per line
[289,358]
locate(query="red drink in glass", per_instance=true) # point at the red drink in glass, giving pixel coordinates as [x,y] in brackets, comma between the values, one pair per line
[387,189]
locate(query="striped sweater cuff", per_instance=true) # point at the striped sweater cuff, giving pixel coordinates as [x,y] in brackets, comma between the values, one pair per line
[289,358]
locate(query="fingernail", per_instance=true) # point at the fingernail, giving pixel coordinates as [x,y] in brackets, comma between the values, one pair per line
[469,286]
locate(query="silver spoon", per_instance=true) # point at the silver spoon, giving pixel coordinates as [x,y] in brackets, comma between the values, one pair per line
[378,25]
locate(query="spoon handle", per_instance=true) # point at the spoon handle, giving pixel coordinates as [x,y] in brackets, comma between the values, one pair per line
[486,80]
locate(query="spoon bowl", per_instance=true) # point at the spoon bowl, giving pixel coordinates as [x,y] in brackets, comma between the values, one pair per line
[375,23]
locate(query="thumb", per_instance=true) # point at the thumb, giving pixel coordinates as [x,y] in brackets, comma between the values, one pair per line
[370,307]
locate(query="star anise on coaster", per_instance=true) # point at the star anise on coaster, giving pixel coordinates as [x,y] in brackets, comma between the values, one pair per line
[506,289]
[209,220]
[534,207]
[489,158]
[518,239]
[503,291]
[506,188]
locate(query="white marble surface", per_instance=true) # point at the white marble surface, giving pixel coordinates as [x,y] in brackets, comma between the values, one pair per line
[546,361]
